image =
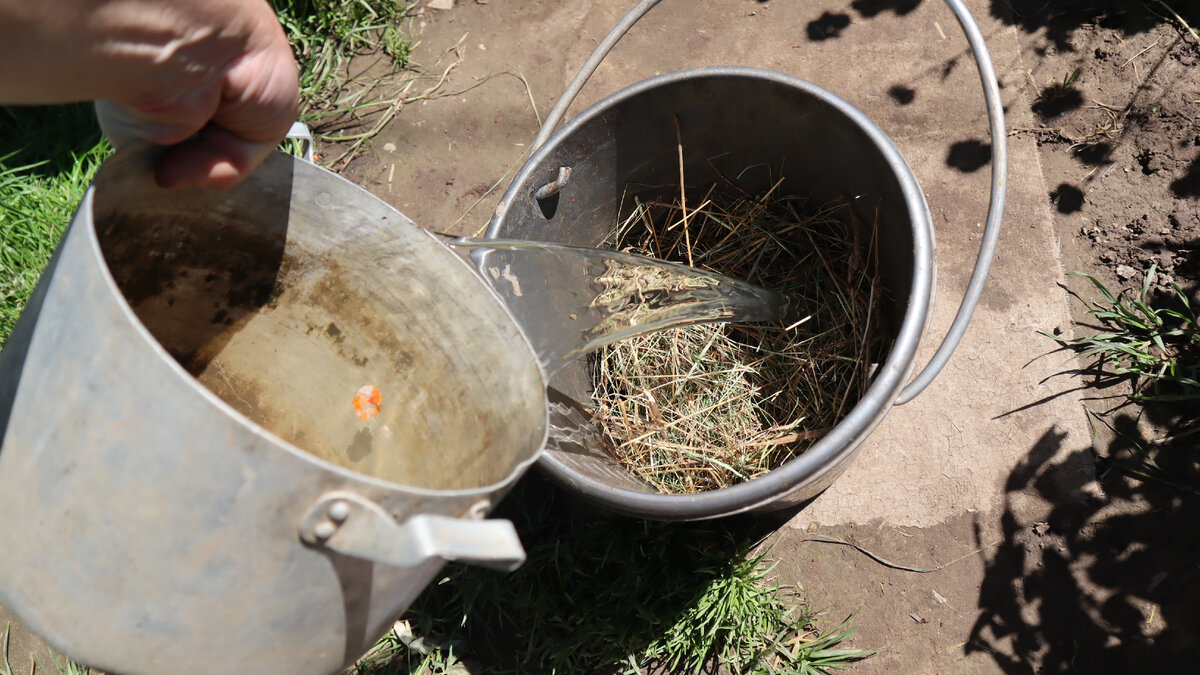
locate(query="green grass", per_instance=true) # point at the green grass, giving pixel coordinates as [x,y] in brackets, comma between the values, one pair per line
[603,593]
[401,652]
[342,105]
[47,158]
[326,33]
[1057,90]
[1152,345]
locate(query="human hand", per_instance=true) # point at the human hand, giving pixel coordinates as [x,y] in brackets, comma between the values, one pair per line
[213,79]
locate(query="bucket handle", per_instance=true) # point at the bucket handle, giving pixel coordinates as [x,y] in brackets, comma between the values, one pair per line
[353,525]
[299,131]
[991,232]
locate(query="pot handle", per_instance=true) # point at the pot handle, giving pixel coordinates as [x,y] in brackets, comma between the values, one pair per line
[300,132]
[348,523]
[991,232]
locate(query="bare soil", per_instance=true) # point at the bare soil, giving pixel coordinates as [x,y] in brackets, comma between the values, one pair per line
[1121,143]
[1104,582]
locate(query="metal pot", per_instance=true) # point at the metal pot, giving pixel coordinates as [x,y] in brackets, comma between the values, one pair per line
[180,350]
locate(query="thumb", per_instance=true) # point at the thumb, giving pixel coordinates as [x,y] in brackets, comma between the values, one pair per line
[164,126]
[199,155]
[215,158]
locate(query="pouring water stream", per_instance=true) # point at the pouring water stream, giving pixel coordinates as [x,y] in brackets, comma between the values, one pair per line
[589,298]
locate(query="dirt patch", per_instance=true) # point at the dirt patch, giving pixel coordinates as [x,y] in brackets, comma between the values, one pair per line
[1116,90]
[920,620]
[1096,584]
[1074,575]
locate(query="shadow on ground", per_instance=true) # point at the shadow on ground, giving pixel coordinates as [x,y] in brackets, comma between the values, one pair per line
[1062,18]
[1104,581]
[1078,31]
[1189,184]
[831,24]
[1103,584]
[596,590]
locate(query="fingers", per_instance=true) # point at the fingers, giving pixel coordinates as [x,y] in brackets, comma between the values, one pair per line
[215,158]
[219,129]
[259,108]
[259,99]
[260,94]
[162,125]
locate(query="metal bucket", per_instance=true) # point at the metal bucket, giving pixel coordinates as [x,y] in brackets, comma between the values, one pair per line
[758,125]
[153,526]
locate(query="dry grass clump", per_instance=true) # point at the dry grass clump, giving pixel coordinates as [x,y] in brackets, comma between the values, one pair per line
[708,406]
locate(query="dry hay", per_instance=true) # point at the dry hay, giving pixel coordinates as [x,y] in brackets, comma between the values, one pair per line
[708,406]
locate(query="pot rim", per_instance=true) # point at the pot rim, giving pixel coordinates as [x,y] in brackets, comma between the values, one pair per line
[139,158]
[839,444]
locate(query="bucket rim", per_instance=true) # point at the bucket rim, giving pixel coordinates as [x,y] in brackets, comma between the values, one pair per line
[138,157]
[836,447]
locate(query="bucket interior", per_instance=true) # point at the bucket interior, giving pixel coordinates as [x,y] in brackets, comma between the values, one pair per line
[289,294]
[749,129]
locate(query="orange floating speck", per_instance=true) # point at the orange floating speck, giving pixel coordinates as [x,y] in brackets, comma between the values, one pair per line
[366,402]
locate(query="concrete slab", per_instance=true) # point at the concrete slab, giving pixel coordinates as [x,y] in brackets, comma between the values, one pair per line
[939,479]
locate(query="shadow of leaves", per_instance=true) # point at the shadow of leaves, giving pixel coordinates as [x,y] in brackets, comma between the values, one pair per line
[1189,184]
[827,26]
[870,8]
[1067,198]
[969,156]
[1060,19]
[1102,583]
[902,94]
[1056,101]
